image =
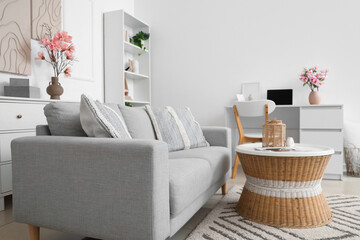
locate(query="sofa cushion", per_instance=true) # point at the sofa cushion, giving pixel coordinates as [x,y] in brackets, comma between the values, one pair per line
[64,119]
[177,127]
[138,122]
[193,171]
[189,177]
[99,120]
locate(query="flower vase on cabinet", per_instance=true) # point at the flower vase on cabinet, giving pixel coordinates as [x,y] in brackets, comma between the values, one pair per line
[314,97]
[59,53]
[314,78]
[55,90]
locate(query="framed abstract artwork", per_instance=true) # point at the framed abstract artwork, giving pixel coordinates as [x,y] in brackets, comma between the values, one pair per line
[15,35]
[45,12]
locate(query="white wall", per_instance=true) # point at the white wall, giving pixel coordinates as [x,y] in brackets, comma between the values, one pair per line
[203,50]
[83,19]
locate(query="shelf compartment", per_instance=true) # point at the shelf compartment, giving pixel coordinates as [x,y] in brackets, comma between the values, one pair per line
[137,102]
[135,76]
[133,22]
[131,48]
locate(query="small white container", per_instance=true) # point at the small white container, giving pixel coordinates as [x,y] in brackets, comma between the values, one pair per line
[290,142]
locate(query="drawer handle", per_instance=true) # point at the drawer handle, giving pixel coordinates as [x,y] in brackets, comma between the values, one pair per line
[19,116]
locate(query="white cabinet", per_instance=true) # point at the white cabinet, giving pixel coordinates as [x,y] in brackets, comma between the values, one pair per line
[6,178]
[323,125]
[23,115]
[321,117]
[331,138]
[312,124]
[5,143]
[19,117]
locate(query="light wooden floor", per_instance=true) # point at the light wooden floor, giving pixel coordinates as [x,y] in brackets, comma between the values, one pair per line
[16,231]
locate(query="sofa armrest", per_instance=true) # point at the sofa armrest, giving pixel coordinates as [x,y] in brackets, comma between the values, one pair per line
[42,130]
[98,187]
[218,136]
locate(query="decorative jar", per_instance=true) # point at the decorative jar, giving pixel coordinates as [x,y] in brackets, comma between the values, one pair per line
[274,132]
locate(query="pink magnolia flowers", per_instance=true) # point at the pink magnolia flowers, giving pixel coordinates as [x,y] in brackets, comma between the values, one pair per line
[40,56]
[67,72]
[69,55]
[313,77]
[59,49]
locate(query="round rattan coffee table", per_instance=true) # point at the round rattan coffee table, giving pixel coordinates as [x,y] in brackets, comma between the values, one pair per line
[283,189]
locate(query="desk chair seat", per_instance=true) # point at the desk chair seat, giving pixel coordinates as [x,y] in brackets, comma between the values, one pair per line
[256,108]
[253,135]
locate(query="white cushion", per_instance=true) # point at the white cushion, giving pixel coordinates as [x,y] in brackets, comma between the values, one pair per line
[177,127]
[99,120]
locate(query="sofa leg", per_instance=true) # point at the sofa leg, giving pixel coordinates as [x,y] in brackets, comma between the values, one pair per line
[34,232]
[223,189]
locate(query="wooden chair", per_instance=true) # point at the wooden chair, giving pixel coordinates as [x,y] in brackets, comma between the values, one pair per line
[257,108]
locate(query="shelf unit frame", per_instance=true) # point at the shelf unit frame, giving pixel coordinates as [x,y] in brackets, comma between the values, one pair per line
[117,52]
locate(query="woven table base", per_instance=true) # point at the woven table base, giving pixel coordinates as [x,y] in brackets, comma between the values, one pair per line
[284,191]
[284,212]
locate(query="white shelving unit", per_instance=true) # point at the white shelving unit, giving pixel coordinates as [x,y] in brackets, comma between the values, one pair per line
[117,53]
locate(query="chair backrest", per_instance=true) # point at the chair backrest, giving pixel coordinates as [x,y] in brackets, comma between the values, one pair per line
[255,108]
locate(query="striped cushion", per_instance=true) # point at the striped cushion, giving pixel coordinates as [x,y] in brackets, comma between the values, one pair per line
[99,120]
[177,127]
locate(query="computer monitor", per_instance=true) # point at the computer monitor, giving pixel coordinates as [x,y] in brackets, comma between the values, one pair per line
[280,96]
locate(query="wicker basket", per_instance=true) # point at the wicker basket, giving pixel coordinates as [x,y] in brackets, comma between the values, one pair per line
[352,160]
[274,133]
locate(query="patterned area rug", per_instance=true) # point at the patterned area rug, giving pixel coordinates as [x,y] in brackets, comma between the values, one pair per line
[224,223]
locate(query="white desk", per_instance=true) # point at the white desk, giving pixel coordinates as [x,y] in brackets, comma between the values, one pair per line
[311,124]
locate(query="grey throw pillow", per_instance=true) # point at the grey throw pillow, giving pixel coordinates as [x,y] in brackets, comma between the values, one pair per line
[177,127]
[64,119]
[99,120]
[138,122]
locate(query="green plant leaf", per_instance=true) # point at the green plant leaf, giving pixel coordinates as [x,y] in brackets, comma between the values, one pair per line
[136,40]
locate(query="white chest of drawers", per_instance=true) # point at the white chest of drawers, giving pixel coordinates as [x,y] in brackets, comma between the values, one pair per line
[19,117]
[310,124]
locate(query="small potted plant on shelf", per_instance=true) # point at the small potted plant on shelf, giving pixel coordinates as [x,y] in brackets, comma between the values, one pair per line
[314,78]
[139,40]
[59,51]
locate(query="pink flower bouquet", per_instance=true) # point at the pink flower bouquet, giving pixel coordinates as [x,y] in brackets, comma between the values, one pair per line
[59,49]
[313,77]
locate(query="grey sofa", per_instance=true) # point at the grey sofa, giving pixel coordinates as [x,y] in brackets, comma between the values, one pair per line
[114,189]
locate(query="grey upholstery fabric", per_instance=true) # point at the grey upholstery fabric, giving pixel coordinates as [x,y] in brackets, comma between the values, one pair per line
[176,222]
[99,187]
[218,136]
[203,166]
[42,130]
[99,120]
[189,177]
[64,119]
[138,122]
[217,157]
[177,127]
[112,188]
